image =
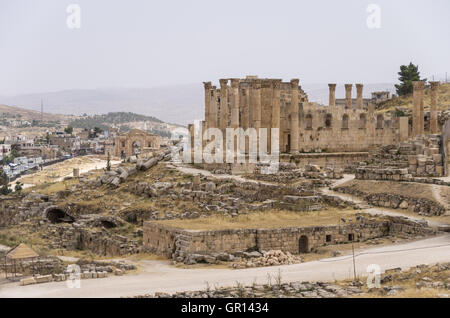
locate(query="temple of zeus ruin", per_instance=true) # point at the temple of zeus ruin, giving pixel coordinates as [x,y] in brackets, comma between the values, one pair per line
[305,126]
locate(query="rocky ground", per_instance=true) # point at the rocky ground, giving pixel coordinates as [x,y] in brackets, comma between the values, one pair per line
[419,281]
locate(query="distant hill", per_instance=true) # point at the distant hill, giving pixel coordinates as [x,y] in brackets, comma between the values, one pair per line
[30,115]
[406,102]
[181,104]
[115,118]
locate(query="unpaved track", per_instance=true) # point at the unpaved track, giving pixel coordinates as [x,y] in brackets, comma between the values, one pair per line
[378,210]
[158,276]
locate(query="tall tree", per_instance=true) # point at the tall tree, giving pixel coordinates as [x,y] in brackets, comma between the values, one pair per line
[407,74]
[68,130]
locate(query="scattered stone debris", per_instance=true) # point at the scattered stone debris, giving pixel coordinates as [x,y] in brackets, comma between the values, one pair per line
[270,258]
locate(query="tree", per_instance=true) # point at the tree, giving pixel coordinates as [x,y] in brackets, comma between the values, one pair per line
[407,74]
[18,188]
[4,188]
[68,130]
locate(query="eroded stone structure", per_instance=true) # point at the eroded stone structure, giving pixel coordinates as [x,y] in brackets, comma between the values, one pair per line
[135,142]
[303,126]
[179,243]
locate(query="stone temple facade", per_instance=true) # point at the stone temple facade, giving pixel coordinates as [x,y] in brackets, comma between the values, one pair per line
[134,143]
[303,126]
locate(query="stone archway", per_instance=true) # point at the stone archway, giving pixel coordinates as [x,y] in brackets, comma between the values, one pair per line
[55,214]
[303,244]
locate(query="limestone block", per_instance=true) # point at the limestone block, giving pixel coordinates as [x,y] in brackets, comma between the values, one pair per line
[412,160]
[433,151]
[421,162]
[429,168]
[27,281]
[43,279]
[440,170]
[437,158]
[403,205]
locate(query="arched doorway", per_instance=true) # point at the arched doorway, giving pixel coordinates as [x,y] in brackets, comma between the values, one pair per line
[303,244]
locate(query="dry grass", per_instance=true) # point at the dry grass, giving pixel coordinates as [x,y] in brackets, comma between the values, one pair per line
[23,234]
[417,190]
[269,219]
[58,171]
[407,101]
[410,290]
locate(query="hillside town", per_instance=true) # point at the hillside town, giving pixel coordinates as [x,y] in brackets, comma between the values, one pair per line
[25,151]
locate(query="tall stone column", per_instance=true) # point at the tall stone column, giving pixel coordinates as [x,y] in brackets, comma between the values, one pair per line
[332,95]
[359,96]
[294,116]
[418,87]
[213,109]
[348,96]
[256,101]
[276,85]
[433,110]
[207,86]
[235,103]
[256,109]
[223,104]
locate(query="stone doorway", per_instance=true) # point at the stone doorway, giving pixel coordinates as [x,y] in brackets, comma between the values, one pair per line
[288,146]
[303,244]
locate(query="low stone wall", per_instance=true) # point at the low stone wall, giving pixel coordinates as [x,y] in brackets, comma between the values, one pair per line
[393,174]
[179,243]
[421,206]
[337,159]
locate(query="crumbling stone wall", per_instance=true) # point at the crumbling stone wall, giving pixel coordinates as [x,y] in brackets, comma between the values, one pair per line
[419,157]
[179,243]
[421,206]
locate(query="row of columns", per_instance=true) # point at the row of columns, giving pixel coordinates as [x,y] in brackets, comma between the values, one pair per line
[348,95]
[418,124]
[250,106]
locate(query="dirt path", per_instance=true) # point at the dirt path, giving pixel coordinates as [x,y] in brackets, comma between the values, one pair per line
[160,276]
[58,171]
[437,194]
[206,173]
[374,210]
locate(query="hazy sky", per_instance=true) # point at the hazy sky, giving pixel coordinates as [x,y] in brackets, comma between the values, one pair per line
[151,43]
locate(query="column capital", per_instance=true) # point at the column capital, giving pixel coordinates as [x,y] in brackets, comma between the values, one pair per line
[348,86]
[332,85]
[276,83]
[434,84]
[207,85]
[418,84]
[266,83]
[223,82]
[294,82]
[234,82]
[256,84]
[359,86]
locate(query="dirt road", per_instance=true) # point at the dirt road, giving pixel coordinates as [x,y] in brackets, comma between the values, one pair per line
[160,276]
